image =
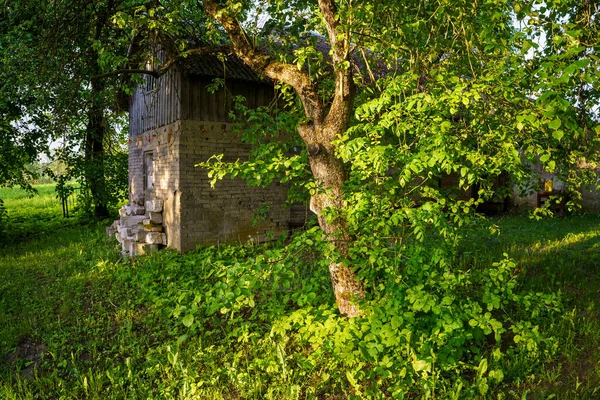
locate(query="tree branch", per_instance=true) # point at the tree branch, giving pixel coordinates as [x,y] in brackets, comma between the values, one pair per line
[339,115]
[265,66]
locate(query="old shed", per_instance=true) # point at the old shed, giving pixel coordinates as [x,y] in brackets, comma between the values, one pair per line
[175,123]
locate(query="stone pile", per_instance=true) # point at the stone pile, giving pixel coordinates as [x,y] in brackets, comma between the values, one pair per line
[140,229]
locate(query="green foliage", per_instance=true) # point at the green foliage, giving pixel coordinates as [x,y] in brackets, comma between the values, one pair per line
[277,155]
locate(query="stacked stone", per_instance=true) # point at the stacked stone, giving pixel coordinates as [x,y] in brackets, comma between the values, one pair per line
[140,229]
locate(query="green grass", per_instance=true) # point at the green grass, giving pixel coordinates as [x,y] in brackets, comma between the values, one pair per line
[76,321]
[33,214]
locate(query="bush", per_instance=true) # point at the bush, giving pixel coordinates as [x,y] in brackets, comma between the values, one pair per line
[263,323]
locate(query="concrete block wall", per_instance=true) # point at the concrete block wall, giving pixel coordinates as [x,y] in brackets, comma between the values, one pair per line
[225,213]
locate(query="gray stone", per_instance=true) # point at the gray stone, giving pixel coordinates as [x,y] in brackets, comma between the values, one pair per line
[153,228]
[156,238]
[140,236]
[138,199]
[130,222]
[137,209]
[154,205]
[130,247]
[125,232]
[155,218]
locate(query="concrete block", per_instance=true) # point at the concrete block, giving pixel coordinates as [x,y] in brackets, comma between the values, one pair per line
[137,209]
[154,205]
[138,198]
[126,245]
[140,236]
[131,247]
[155,218]
[153,228]
[125,232]
[130,222]
[156,238]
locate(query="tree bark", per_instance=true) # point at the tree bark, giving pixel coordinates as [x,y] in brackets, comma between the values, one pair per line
[323,128]
[94,152]
[330,174]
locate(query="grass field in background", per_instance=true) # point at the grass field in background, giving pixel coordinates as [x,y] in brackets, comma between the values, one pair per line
[77,322]
[34,214]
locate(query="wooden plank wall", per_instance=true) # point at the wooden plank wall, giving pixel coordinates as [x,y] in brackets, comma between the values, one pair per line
[199,105]
[150,109]
[182,97]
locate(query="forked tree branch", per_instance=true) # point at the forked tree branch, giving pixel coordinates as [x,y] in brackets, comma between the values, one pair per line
[340,112]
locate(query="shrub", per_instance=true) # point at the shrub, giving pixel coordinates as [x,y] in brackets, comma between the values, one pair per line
[263,322]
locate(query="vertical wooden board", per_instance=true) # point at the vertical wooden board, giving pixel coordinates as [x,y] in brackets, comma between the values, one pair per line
[228,99]
[164,103]
[202,106]
[183,97]
[164,100]
[204,112]
[260,96]
[147,111]
[251,96]
[220,104]
[157,95]
[165,94]
[177,104]
[171,96]
[144,111]
[212,106]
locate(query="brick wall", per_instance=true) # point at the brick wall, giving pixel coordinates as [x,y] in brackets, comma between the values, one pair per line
[162,145]
[194,213]
[225,213]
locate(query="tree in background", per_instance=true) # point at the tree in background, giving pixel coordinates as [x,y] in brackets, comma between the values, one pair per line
[50,56]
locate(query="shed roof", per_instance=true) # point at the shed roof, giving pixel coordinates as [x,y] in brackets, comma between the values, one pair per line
[231,67]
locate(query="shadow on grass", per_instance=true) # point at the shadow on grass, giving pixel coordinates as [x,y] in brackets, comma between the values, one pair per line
[554,255]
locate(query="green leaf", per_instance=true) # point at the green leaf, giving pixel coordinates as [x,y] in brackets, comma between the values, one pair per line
[421,365]
[188,320]
[558,134]
[555,124]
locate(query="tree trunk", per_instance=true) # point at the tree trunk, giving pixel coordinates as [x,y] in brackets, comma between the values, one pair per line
[94,152]
[330,174]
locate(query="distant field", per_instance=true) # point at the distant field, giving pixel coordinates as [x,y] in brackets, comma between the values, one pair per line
[33,213]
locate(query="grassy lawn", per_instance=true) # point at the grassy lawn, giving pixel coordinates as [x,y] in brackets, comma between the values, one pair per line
[76,321]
